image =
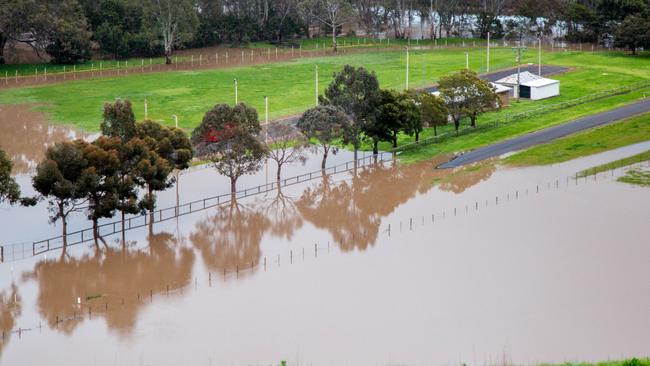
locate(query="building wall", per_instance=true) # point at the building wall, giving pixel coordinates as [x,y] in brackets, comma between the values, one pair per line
[544,92]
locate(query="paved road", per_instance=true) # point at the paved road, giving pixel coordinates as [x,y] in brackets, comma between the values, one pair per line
[494,76]
[549,134]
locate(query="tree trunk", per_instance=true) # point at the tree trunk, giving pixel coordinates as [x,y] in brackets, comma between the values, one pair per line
[417,136]
[456,124]
[233,186]
[64,226]
[322,166]
[394,140]
[435,133]
[334,45]
[279,173]
[3,41]
[473,119]
[375,148]
[95,233]
[168,56]
[123,230]
[356,153]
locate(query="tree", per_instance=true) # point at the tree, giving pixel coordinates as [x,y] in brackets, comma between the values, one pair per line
[480,97]
[356,92]
[327,124]
[228,137]
[119,120]
[454,90]
[9,189]
[331,13]
[103,162]
[69,39]
[176,21]
[284,145]
[170,143]
[63,178]
[433,111]
[399,113]
[634,32]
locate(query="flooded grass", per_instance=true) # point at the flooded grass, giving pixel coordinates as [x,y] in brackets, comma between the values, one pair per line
[634,159]
[636,176]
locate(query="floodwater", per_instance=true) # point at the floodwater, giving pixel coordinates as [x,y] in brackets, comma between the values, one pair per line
[389,264]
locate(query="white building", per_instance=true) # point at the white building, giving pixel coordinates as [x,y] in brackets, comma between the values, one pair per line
[531,86]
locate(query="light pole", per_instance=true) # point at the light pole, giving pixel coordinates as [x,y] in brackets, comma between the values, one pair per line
[466,60]
[266,110]
[236,92]
[146,109]
[407,68]
[488,52]
[316,84]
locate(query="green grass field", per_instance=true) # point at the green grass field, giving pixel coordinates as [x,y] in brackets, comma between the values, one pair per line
[630,131]
[290,85]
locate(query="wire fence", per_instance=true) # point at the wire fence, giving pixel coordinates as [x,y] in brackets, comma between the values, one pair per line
[23,250]
[87,307]
[234,57]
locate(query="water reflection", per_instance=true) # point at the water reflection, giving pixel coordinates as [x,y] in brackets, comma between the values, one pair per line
[284,217]
[231,238]
[10,309]
[26,135]
[115,283]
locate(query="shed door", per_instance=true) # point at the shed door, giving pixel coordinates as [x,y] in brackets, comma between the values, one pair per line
[524,91]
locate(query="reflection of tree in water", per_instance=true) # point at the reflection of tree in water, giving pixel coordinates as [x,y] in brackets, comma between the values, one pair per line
[10,309]
[461,179]
[283,215]
[352,210]
[115,277]
[231,238]
[25,136]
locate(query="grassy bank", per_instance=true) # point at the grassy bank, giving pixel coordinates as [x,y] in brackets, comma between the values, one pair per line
[637,176]
[627,132]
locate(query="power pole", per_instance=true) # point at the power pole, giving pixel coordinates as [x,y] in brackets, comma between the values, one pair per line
[518,51]
[316,84]
[266,110]
[539,57]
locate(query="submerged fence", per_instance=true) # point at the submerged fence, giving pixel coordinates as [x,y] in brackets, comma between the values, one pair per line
[134,222]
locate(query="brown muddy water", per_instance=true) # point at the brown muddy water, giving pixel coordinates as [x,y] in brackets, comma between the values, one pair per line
[393,264]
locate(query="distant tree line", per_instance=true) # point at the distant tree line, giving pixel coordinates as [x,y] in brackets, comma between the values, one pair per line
[68,30]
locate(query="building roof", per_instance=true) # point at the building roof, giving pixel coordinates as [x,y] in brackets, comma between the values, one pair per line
[524,77]
[540,82]
[498,88]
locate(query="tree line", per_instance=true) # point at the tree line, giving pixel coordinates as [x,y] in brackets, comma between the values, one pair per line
[120,172]
[69,30]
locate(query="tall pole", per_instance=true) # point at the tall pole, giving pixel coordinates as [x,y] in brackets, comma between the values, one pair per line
[236,92]
[488,52]
[539,57]
[266,110]
[146,109]
[467,60]
[407,68]
[316,84]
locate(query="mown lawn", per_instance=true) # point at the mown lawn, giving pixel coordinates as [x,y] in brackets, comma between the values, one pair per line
[608,137]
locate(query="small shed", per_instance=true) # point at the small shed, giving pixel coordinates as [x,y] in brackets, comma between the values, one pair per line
[531,86]
[503,92]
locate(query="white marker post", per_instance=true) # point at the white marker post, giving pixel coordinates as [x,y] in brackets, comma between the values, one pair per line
[466,60]
[146,109]
[175,120]
[236,92]
[266,110]
[407,68]
[488,52]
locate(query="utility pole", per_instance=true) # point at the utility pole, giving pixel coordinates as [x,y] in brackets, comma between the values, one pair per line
[266,110]
[488,52]
[407,68]
[539,57]
[236,92]
[316,84]
[518,51]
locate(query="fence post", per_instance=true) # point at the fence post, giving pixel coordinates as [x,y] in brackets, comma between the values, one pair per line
[2,254]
